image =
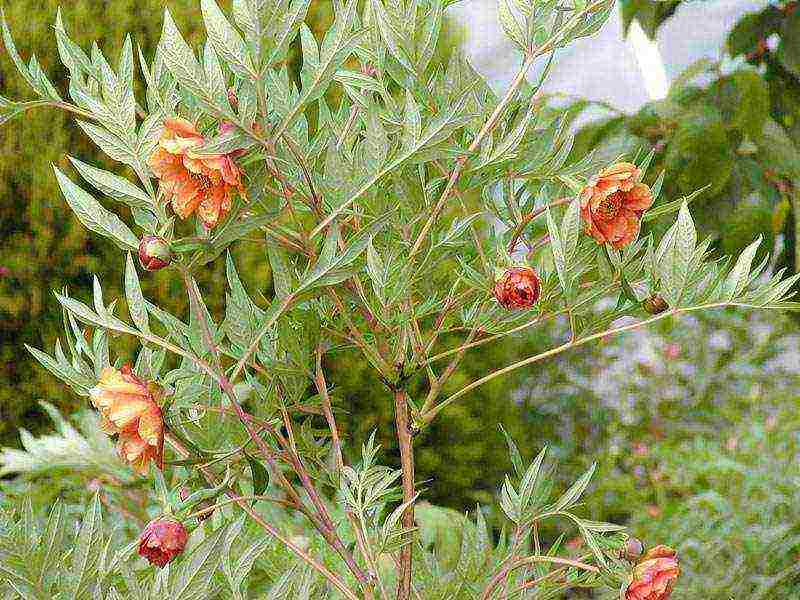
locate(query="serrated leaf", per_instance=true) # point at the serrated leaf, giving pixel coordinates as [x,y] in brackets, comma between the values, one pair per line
[227,41]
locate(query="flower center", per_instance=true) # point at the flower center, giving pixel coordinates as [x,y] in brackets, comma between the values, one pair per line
[609,207]
[203,181]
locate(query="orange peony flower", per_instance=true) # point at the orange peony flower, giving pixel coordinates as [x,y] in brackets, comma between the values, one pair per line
[613,202]
[129,410]
[192,181]
[654,575]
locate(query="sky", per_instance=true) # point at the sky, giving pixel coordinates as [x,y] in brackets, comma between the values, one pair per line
[624,73]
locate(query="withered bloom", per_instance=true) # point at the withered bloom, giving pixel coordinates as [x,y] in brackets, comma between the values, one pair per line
[193,182]
[128,409]
[162,540]
[518,287]
[613,202]
[654,575]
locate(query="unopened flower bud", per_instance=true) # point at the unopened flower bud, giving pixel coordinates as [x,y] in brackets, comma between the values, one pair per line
[233,99]
[518,287]
[655,304]
[633,549]
[162,540]
[154,253]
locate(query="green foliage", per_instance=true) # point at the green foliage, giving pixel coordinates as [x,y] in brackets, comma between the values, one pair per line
[736,131]
[235,413]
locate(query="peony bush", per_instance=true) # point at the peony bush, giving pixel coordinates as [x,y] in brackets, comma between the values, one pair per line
[395,199]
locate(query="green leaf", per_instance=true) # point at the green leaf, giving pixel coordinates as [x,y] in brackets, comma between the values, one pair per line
[227,41]
[134,296]
[558,251]
[674,256]
[93,216]
[86,554]
[329,261]
[281,276]
[574,493]
[510,25]
[319,68]
[739,277]
[376,146]
[259,474]
[113,185]
[391,33]
[179,58]
[192,580]
[8,41]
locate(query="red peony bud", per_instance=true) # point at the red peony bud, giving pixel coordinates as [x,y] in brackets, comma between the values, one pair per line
[518,287]
[654,575]
[154,253]
[655,304]
[162,540]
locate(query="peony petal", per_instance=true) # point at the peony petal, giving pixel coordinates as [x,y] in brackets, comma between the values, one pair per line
[639,198]
[181,127]
[151,425]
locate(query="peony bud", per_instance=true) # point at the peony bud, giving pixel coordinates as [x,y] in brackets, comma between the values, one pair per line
[633,549]
[154,253]
[654,575]
[655,304]
[518,287]
[162,540]
[233,99]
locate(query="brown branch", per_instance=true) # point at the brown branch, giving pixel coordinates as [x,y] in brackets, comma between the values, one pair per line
[407,465]
[327,409]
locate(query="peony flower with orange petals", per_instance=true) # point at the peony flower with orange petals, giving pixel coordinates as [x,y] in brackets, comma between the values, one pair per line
[128,409]
[193,182]
[518,287]
[162,540]
[613,202]
[654,575]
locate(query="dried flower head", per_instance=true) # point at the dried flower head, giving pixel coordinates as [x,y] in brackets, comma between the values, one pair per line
[194,182]
[128,409]
[613,202]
